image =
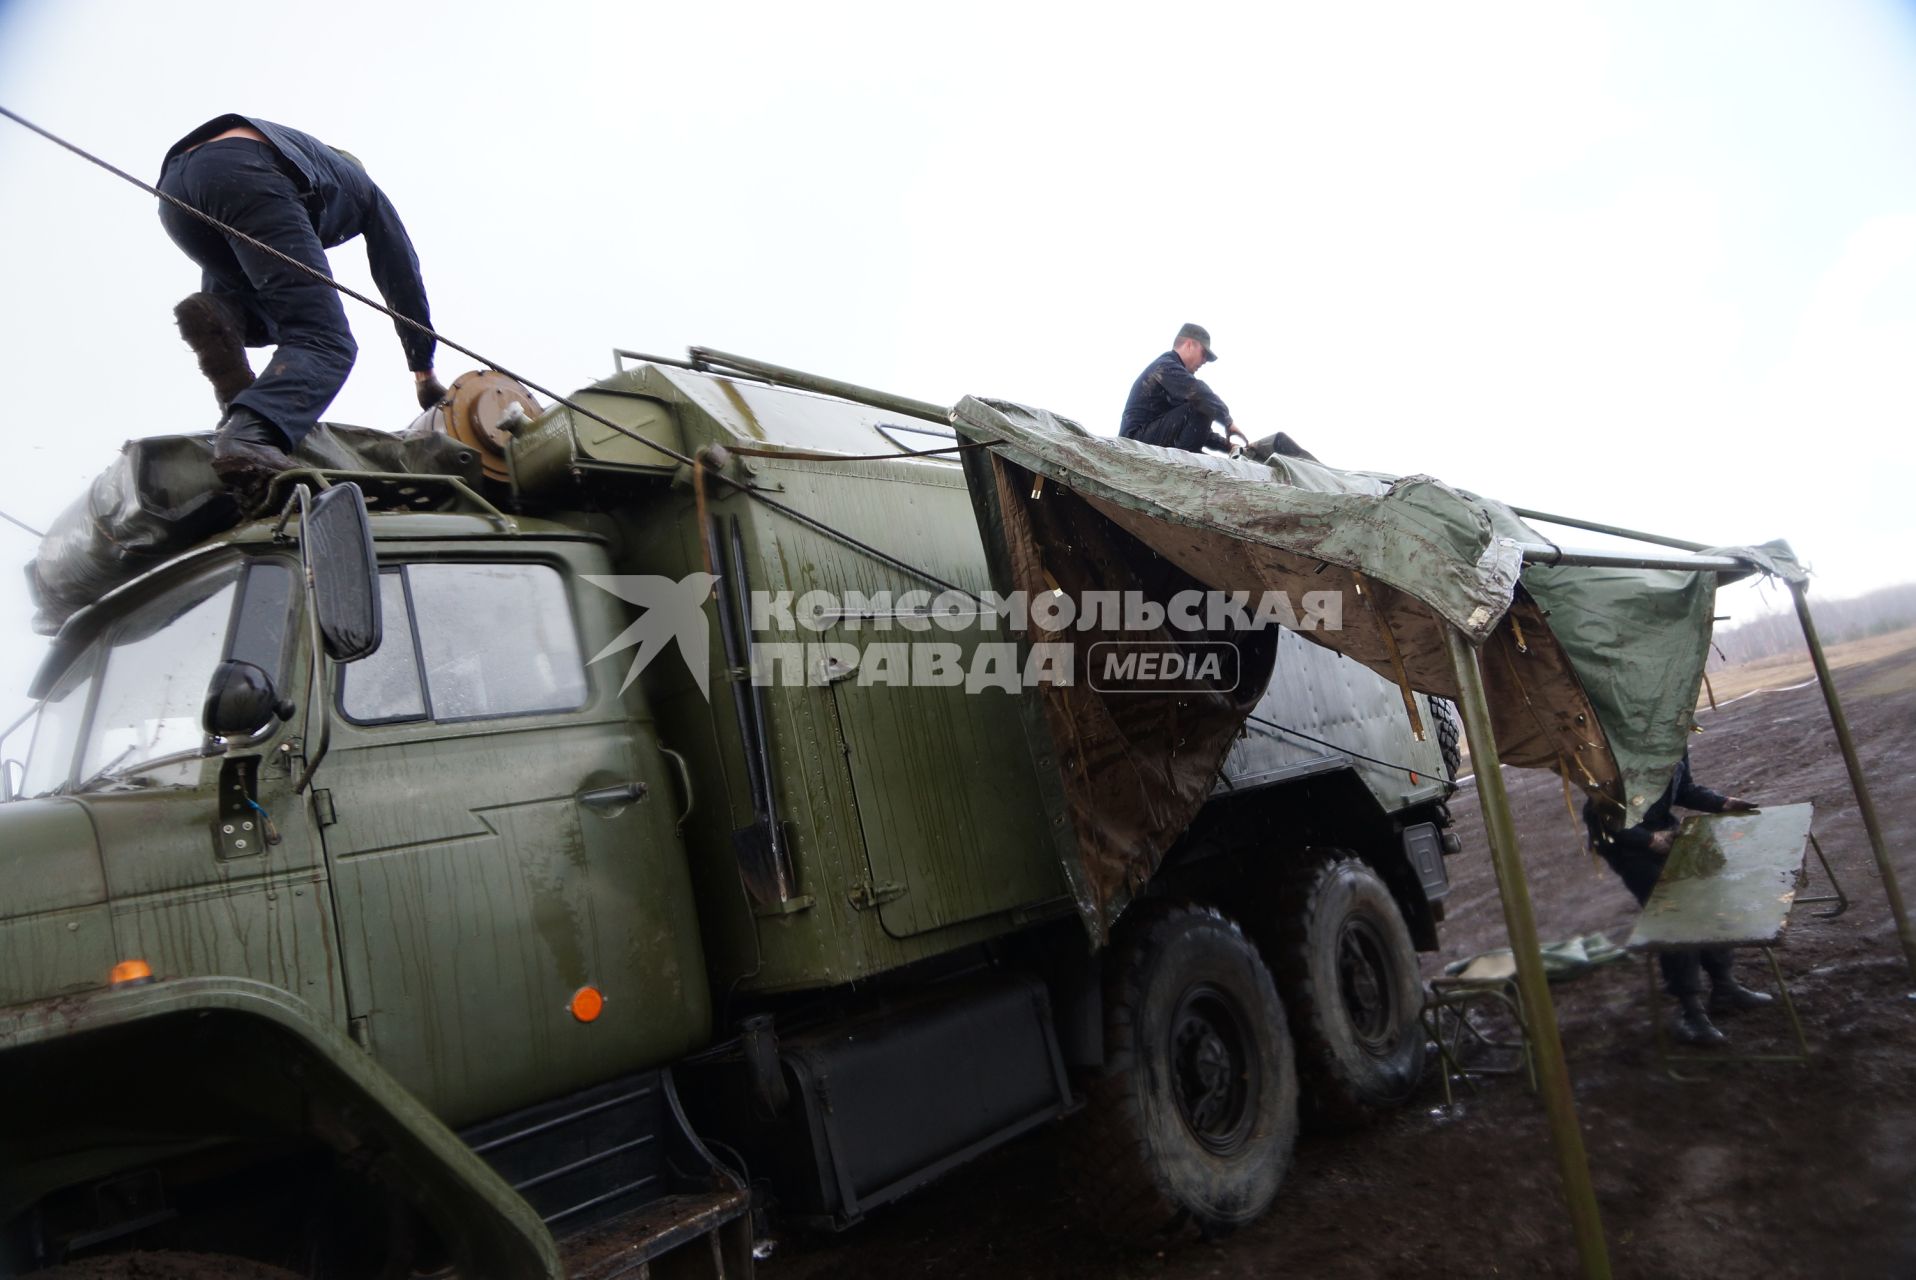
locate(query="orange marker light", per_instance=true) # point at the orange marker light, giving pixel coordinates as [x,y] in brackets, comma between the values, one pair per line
[130,973]
[587,1004]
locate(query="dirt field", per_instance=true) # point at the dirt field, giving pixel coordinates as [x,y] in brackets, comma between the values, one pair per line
[1784,670]
[1767,1170]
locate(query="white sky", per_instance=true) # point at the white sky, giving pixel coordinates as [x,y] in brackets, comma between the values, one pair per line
[1651,263]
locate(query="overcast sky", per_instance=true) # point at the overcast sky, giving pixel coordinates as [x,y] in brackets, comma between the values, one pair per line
[1653,263]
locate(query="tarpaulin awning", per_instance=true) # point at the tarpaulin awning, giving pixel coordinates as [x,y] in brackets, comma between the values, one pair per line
[1592,674]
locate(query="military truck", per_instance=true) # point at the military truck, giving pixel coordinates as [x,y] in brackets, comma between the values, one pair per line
[382,892]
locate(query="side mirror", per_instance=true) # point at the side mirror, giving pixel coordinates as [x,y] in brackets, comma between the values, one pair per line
[240,701]
[338,541]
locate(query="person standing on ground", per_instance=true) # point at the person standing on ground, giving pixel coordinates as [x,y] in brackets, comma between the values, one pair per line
[1169,406]
[291,191]
[1637,855]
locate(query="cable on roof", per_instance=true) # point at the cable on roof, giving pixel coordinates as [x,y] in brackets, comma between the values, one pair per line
[22,523]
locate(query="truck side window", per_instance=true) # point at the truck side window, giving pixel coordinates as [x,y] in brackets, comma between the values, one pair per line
[467,641]
[385,684]
[261,626]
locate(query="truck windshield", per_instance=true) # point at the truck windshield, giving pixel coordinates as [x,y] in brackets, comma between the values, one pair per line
[135,694]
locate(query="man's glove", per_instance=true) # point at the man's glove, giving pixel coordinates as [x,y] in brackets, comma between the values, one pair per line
[431,391]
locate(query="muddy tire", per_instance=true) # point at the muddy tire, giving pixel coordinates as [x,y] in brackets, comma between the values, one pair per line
[1450,735]
[1191,1129]
[1348,972]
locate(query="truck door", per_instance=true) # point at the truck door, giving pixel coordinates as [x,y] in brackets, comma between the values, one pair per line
[948,803]
[502,837]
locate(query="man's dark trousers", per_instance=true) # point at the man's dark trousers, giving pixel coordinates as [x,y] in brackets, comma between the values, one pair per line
[1185,427]
[243,183]
[1682,970]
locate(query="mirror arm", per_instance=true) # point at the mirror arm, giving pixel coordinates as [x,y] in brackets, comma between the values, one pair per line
[297,498]
[259,737]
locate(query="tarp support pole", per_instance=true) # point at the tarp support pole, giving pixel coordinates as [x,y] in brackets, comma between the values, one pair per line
[1540,1015]
[1615,531]
[1848,747]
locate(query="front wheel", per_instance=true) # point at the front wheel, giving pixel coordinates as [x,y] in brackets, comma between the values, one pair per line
[1193,1125]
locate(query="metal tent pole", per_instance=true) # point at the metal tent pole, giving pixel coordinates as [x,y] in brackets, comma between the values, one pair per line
[1535,553]
[703,356]
[1540,1015]
[1848,747]
[1636,535]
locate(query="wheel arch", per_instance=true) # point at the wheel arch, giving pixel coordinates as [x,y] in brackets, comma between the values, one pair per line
[1246,842]
[124,1078]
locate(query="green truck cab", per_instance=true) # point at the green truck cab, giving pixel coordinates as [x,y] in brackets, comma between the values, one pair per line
[544,939]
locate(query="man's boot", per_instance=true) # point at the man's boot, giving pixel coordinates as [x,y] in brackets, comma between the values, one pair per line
[1727,995]
[248,450]
[213,331]
[1692,1025]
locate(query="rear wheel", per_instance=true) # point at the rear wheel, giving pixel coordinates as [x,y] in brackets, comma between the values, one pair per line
[1348,972]
[1193,1127]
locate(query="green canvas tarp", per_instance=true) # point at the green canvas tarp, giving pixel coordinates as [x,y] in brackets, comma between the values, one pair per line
[160,497]
[1590,673]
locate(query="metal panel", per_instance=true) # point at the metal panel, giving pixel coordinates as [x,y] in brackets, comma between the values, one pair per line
[1730,881]
[947,801]
[951,819]
[187,911]
[1318,693]
[901,1097]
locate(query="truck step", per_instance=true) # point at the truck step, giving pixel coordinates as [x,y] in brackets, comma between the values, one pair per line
[584,1158]
[708,1235]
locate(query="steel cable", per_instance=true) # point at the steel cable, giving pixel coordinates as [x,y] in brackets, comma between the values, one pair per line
[494,365]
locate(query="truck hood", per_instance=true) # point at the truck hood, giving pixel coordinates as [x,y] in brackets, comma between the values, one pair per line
[49,858]
[55,931]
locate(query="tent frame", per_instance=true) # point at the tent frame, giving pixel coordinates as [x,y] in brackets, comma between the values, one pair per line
[1553,1073]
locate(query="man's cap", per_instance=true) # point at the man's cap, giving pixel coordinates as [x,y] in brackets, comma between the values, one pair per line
[1203,337]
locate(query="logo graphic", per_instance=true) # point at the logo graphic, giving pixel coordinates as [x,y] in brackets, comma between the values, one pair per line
[674,610]
[1152,666]
[819,638]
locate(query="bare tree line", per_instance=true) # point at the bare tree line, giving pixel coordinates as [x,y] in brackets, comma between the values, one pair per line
[1880,611]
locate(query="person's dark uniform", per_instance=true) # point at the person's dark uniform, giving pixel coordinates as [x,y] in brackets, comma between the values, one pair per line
[302,197]
[1638,864]
[1170,406]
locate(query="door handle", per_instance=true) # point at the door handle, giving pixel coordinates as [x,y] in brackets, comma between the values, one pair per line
[613,797]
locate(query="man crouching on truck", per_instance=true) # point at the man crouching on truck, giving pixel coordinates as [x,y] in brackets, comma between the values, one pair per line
[294,194]
[1170,407]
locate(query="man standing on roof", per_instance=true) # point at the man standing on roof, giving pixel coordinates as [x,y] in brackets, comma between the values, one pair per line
[1637,855]
[1170,407]
[290,191]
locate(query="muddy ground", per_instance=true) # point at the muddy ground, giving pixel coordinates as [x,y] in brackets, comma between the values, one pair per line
[1765,1170]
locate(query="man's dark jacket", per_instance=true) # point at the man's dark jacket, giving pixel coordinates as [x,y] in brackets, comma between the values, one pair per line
[343,202]
[1684,790]
[1170,407]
